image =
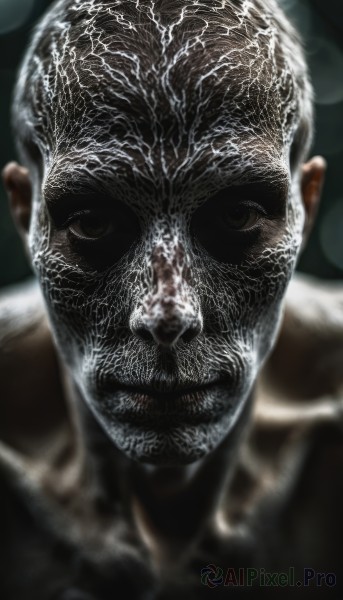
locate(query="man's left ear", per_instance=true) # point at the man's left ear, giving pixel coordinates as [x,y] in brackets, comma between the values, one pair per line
[313,174]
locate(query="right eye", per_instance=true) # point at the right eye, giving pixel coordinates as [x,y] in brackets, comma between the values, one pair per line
[103,236]
[101,230]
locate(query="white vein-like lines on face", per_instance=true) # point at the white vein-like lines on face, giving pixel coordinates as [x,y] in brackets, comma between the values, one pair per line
[156,107]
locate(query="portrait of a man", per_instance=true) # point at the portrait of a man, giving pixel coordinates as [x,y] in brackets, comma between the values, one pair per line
[161,425]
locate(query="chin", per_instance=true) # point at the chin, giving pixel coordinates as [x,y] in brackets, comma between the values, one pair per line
[178,426]
[179,445]
[173,439]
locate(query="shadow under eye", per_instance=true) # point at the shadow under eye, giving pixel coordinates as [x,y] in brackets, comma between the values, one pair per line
[104,238]
[92,227]
[106,251]
[226,232]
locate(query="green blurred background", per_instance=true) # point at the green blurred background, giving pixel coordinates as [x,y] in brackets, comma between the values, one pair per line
[321,25]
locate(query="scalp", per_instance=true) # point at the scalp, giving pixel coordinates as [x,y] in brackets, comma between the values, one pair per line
[193,102]
[146,59]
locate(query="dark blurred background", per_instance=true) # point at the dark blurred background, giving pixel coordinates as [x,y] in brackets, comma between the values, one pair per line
[321,25]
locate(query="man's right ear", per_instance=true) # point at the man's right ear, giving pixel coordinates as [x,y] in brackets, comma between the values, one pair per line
[18,186]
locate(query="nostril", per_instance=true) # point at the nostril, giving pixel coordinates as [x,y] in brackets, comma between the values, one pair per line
[166,335]
[190,334]
[166,331]
[144,334]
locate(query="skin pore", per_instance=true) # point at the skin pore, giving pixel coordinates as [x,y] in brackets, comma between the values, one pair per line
[164,203]
[166,219]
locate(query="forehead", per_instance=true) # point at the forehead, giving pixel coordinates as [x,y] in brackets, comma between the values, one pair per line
[148,90]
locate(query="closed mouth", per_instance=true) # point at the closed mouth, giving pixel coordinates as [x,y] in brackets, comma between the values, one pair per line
[165,405]
[167,391]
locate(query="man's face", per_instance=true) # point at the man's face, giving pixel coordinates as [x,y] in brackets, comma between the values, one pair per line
[164,235]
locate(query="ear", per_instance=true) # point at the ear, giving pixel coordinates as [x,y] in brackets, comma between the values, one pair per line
[313,174]
[18,186]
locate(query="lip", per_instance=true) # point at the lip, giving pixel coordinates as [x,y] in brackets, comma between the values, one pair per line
[162,390]
[148,406]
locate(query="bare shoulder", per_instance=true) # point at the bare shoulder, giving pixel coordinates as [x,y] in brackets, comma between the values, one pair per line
[316,304]
[294,455]
[23,328]
[21,311]
[307,360]
[30,388]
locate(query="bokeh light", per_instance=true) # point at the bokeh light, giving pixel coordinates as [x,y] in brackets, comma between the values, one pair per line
[320,23]
[14,14]
[330,124]
[300,13]
[326,62]
[331,234]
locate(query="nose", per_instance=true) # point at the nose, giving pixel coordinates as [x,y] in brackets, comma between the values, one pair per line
[170,311]
[169,325]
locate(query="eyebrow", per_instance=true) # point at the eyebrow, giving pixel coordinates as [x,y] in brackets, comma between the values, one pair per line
[67,180]
[61,188]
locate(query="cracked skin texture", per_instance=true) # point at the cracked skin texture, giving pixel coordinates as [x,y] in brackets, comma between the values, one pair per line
[73,506]
[146,126]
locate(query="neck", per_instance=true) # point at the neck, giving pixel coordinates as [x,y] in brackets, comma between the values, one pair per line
[180,501]
[169,506]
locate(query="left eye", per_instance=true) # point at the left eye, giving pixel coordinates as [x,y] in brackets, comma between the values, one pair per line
[240,218]
[91,226]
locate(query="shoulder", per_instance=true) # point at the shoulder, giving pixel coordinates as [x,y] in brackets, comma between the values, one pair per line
[317,304]
[23,327]
[30,384]
[307,359]
[297,433]
[21,310]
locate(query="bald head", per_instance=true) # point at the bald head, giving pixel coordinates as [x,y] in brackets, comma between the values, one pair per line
[140,72]
[163,141]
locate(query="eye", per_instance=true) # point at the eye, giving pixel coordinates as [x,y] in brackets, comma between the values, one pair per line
[91,225]
[241,217]
[98,229]
[230,224]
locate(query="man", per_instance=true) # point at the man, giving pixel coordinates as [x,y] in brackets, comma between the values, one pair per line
[164,200]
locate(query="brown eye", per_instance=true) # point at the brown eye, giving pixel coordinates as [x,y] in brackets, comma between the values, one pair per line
[228,225]
[240,218]
[91,226]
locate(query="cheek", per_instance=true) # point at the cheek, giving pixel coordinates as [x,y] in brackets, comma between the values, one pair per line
[81,302]
[90,311]
[90,314]
[269,283]
[244,305]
